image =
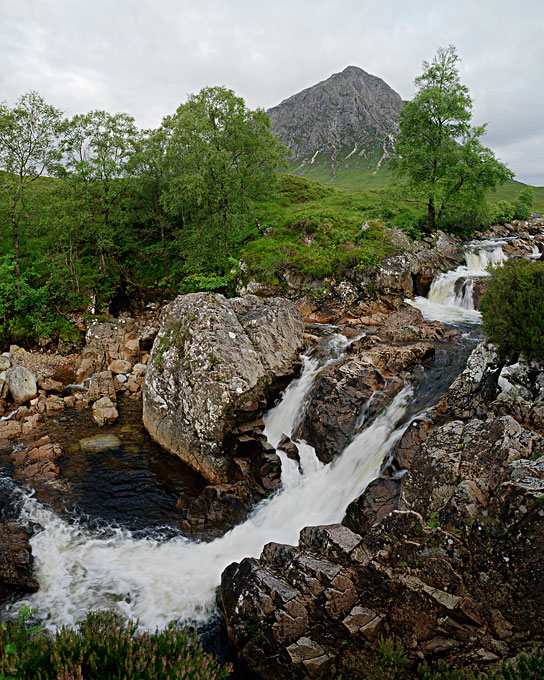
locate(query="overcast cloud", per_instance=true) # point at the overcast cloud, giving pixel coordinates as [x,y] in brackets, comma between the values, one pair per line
[145,56]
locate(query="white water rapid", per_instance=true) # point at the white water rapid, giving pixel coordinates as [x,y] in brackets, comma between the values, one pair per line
[445,303]
[156,581]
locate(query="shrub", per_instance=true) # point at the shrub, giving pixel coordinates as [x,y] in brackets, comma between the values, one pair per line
[523,204]
[105,647]
[513,309]
[502,212]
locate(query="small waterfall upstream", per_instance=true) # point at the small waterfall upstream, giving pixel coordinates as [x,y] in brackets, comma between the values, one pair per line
[450,298]
[156,579]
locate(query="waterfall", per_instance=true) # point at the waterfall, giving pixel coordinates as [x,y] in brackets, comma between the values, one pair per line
[450,299]
[156,580]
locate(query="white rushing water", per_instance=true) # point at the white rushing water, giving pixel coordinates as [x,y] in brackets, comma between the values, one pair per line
[445,303]
[156,581]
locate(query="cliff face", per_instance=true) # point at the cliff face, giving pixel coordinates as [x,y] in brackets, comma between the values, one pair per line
[350,119]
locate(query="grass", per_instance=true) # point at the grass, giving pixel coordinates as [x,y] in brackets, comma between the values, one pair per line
[317,231]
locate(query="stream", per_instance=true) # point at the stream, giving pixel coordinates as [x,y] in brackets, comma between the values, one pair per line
[102,553]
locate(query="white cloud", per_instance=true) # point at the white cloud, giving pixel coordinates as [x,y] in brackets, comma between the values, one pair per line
[145,56]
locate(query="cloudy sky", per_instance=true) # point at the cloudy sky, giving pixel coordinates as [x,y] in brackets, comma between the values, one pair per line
[145,56]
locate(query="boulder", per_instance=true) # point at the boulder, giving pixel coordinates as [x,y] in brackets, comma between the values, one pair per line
[21,384]
[120,366]
[102,385]
[5,363]
[104,412]
[216,363]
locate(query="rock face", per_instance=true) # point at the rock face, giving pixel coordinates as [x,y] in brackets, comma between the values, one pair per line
[15,561]
[448,560]
[351,116]
[214,365]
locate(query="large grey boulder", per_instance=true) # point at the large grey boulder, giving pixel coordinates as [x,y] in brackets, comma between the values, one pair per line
[21,384]
[215,364]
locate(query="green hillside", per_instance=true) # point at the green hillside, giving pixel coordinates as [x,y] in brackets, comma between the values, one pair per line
[368,178]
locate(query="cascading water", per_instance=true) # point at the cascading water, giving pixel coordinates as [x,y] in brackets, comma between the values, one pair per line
[158,580]
[450,297]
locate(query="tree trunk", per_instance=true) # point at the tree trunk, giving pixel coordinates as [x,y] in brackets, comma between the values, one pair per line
[15,226]
[430,222]
[163,248]
[102,261]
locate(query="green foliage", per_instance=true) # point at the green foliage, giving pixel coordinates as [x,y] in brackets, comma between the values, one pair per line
[513,309]
[524,204]
[393,654]
[28,148]
[220,157]
[440,154]
[105,647]
[317,234]
[502,212]
[25,310]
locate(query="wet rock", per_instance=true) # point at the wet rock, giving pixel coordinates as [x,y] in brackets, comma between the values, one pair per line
[347,395]
[381,497]
[38,464]
[410,442]
[15,561]
[216,510]
[100,442]
[21,384]
[216,363]
[336,404]
[104,412]
[289,448]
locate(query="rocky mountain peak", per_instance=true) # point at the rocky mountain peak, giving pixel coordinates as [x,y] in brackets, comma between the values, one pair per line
[350,117]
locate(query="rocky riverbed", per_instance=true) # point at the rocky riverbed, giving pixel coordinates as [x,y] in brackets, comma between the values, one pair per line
[424,556]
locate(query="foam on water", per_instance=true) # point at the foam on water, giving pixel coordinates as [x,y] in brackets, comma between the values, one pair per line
[158,580]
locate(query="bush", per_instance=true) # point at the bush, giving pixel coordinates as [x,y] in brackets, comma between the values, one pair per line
[105,647]
[523,204]
[502,212]
[513,309]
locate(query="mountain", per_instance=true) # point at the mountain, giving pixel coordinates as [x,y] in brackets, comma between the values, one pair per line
[344,123]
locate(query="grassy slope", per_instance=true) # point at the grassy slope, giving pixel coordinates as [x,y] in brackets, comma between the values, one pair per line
[357,179]
[316,231]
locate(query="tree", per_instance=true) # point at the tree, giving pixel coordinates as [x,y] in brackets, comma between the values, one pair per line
[439,152]
[28,149]
[149,164]
[220,157]
[97,152]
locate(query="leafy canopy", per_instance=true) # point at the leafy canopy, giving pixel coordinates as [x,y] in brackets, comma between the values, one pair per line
[441,155]
[220,157]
